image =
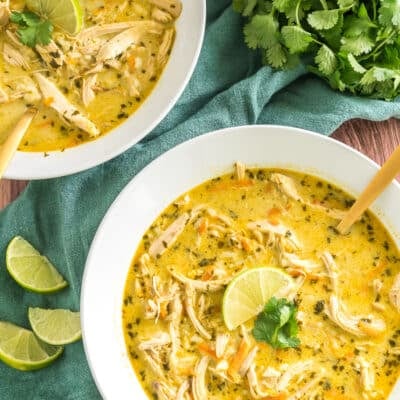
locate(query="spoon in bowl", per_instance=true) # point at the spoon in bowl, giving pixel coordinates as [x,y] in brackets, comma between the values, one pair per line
[10,146]
[389,170]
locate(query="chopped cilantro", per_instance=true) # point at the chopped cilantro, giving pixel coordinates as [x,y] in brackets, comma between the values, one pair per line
[354,45]
[32,29]
[277,324]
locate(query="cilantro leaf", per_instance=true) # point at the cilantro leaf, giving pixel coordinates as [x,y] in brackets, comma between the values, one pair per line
[261,32]
[32,30]
[357,67]
[389,13]
[323,19]
[357,45]
[277,324]
[326,60]
[296,38]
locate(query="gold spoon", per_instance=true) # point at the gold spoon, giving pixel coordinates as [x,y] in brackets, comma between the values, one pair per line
[10,146]
[389,170]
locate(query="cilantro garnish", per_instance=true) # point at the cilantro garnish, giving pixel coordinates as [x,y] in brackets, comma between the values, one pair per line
[32,29]
[354,45]
[277,324]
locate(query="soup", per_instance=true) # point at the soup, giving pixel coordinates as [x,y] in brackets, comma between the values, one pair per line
[346,293]
[85,85]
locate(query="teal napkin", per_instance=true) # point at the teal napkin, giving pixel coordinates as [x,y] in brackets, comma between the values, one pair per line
[60,216]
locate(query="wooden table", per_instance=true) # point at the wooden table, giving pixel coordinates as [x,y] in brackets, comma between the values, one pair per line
[375,139]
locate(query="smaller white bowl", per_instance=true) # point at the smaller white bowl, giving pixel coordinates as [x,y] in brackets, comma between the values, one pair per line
[145,197]
[185,52]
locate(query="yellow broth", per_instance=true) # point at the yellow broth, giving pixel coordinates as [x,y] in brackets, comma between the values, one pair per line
[115,99]
[366,255]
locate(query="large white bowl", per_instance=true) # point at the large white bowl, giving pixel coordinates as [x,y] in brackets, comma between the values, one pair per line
[156,186]
[185,52]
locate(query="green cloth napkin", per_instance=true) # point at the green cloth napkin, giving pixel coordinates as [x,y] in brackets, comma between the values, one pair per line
[60,216]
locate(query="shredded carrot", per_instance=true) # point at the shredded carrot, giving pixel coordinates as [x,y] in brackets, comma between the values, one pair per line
[208,273]
[246,245]
[48,100]
[206,349]
[273,215]
[239,357]
[202,226]
[377,270]
[131,62]
[280,396]
[163,310]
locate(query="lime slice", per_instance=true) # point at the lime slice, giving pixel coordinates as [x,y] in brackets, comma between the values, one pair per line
[55,326]
[30,269]
[20,348]
[247,293]
[65,14]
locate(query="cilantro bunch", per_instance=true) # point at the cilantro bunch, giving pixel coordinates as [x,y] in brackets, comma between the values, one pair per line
[354,45]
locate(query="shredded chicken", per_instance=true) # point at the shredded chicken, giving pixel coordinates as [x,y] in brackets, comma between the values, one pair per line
[220,344]
[51,54]
[160,339]
[164,391]
[255,388]
[169,236]
[62,105]
[394,293]
[174,7]
[332,269]
[189,301]
[292,371]
[248,361]
[182,393]
[367,377]
[88,85]
[161,15]
[199,388]
[307,387]
[360,326]
[14,57]
[240,170]
[165,46]
[287,186]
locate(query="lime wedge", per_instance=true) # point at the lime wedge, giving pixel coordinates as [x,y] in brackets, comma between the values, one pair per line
[55,327]
[30,269]
[247,293]
[20,349]
[65,14]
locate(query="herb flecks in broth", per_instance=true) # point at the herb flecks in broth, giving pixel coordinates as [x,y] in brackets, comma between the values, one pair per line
[84,85]
[346,293]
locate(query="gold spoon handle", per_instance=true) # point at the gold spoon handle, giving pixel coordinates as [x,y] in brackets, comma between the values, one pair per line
[11,144]
[383,177]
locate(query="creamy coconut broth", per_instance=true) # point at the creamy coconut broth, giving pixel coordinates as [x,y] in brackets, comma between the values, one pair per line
[85,85]
[347,293]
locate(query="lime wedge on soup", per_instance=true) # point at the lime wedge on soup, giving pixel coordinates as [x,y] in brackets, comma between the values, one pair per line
[55,327]
[21,349]
[30,269]
[248,292]
[65,14]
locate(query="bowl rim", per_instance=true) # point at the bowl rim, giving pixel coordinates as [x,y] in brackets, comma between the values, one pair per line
[114,208]
[53,164]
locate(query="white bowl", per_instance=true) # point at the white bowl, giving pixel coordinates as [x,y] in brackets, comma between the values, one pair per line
[155,187]
[185,52]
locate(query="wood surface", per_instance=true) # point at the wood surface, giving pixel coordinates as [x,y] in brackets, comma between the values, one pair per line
[375,139]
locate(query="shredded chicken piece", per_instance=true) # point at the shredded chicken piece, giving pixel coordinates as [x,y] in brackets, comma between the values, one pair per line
[307,387]
[161,16]
[121,42]
[291,372]
[394,293]
[153,364]
[182,393]
[164,391]
[4,12]
[254,386]
[367,376]
[3,96]
[292,260]
[174,7]
[169,236]
[240,170]
[189,301]
[287,186]
[199,388]
[24,87]
[51,54]
[211,285]
[271,377]
[132,84]
[160,339]
[88,85]
[14,57]
[248,361]
[221,342]
[360,326]
[61,104]
[332,269]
